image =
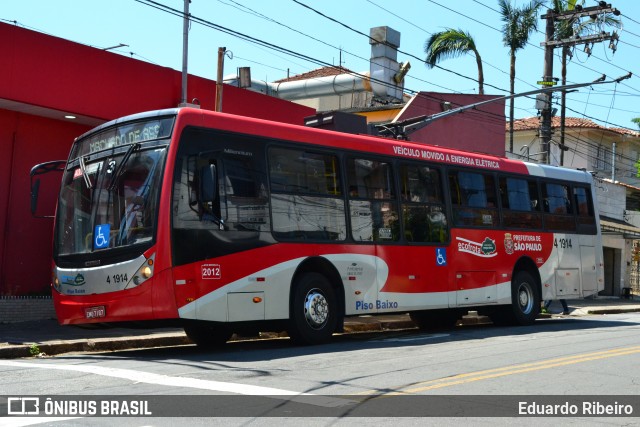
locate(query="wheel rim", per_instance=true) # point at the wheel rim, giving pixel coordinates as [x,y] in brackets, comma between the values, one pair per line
[316,309]
[525,298]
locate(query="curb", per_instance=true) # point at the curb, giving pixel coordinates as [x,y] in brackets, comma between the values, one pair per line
[103,344]
[52,348]
[612,310]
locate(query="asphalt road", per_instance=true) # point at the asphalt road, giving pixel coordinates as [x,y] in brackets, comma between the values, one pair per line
[447,373]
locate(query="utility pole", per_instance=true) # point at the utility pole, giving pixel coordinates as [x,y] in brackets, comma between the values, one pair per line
[221,52]
[548,80]
[563,103]
[185,51]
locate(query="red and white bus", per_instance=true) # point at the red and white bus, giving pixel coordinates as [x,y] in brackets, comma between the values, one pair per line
[228,223]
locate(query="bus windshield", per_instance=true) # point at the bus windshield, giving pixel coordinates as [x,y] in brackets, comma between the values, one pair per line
[109,199]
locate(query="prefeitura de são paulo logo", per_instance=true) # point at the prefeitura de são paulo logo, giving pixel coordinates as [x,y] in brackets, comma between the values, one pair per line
[508,243]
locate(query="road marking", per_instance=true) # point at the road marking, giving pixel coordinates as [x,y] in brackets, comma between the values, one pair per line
[507,370]
[169,381]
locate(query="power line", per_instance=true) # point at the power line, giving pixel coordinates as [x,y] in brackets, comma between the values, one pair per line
[400,51]
[484,62]
[368,37]
[630,18]
[246,37]
[484,24]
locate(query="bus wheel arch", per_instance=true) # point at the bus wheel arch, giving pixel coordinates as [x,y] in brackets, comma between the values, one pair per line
[526,291]
[316,302]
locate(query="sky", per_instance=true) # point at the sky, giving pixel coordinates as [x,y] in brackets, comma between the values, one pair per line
[277,38]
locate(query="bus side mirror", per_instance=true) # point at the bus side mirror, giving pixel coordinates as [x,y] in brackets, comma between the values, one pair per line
[208,192]
[208,184]
[49,189]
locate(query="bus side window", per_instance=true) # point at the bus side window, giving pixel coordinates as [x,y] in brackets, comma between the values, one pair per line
[519,199]
[558,207]
[279,170]
[244,202]
[423,215]
[473,196]
[306,190]
[584,210]
[372,208]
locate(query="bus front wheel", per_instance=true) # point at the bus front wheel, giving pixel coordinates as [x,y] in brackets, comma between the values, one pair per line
[314,310]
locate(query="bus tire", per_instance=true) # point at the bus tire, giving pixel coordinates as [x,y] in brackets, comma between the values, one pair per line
[435,319]
[207,336]
[525,299]
[314,310]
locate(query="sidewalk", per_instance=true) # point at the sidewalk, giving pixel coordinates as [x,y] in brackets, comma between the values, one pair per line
[26,339]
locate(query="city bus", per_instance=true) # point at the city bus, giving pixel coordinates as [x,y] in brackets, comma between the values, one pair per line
[225,224]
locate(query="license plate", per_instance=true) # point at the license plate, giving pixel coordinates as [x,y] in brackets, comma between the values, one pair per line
[95,312]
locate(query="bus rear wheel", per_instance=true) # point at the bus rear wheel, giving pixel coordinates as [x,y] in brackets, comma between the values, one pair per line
[525,301]
[314,310]
[207,336]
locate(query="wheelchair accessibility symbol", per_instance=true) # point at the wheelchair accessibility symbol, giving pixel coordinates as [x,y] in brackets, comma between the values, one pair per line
[441,256]
[101,236]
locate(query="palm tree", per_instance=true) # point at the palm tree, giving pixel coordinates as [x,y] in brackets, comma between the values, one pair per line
[519,23]
[453,43]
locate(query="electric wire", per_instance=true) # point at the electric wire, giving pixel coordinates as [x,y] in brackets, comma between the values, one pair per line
[293,53]
[204,22]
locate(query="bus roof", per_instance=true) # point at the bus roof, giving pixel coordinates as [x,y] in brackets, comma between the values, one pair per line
[365,143]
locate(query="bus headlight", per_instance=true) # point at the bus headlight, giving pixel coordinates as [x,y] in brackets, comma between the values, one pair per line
[56,282]
[145,272]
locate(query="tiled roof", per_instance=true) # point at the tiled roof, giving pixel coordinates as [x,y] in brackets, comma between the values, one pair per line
[625,131]
[532,123]
[320,72]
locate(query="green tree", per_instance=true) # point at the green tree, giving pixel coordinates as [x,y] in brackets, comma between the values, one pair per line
[519,23]
[453,43]
[636,121]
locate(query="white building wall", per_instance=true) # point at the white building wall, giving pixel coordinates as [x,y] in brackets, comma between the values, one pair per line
[611,199]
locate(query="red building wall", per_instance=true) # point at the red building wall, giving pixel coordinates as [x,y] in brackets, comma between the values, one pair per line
[479,130]
[43,77]
[26,140]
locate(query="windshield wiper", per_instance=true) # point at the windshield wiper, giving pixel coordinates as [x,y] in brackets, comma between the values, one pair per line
[120,167]
[85,175]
